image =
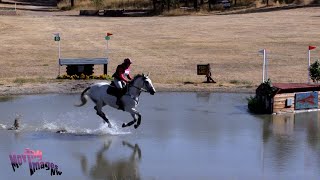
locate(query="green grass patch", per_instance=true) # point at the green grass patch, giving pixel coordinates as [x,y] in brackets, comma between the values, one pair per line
[64,5]
[234,82]
[6,98]
[85,77]
[29,80]
[240,82]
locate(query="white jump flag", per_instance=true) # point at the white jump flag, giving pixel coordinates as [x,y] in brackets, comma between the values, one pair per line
[57,38]
[310,48]
[263,51]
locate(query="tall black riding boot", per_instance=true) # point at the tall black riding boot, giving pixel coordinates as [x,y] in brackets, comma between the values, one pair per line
[119,102]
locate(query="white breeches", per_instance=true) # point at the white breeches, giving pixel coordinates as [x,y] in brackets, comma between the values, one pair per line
[118,83]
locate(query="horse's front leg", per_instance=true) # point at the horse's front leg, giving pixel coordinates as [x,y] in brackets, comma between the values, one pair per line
[134,113]
[139,121]
[98,108]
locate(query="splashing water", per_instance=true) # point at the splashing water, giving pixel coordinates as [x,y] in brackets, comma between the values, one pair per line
[67,123]
[103,129]
[2,126]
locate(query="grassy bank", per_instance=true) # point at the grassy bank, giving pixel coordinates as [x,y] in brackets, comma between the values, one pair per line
[168,47]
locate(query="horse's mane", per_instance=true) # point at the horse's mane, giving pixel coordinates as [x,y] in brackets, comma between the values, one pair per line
[136,77]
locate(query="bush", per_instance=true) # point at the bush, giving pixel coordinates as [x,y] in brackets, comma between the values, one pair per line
[85,77]
[254,105]
[315,71]
[98,3]
[264,92]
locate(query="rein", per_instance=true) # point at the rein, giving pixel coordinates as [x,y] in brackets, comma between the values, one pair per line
[140,89]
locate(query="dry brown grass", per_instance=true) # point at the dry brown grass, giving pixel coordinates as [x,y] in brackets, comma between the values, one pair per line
[168,47]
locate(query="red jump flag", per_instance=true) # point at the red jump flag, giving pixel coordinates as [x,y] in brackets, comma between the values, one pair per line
[109,34]
[311,47]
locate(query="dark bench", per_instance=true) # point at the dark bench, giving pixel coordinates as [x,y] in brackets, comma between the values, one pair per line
[84,66]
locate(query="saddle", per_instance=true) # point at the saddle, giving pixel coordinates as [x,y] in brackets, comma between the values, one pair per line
[114,91]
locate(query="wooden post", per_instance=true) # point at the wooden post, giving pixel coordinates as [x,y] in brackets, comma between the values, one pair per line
[72,3]
[208,75]
[105,69]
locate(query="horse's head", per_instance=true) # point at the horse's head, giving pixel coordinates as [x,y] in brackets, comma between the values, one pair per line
[148,85]
[143,81]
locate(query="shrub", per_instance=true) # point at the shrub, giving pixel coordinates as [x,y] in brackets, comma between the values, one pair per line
[315,71]
[85,77]
[254,105]
[98,3]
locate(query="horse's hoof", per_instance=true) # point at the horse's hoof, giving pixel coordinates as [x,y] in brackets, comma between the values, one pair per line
[109,125]
[136,126]
[123,125]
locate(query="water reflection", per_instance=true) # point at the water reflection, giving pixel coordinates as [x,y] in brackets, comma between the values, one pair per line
[105,168]
[277,126]
[283,125]
[288,136]
[203,96]
[7,98]
[313,133]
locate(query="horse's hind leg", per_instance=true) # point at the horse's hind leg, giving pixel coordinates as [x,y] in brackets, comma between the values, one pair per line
[98,108]
[133,114]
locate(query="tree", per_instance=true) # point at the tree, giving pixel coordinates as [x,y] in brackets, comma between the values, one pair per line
[195,4]
[315,71]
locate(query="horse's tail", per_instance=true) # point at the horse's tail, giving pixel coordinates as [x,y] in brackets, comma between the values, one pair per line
[84,98]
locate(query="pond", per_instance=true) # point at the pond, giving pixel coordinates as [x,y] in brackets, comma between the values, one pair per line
[182,136]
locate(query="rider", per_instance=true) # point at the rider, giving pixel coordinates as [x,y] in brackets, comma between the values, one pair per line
[120,80]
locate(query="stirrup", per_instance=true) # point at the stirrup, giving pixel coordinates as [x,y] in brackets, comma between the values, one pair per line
[121,106]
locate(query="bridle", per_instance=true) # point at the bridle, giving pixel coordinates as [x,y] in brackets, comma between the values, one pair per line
[140,89]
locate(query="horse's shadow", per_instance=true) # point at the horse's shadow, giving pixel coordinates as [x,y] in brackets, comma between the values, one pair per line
[103,168]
